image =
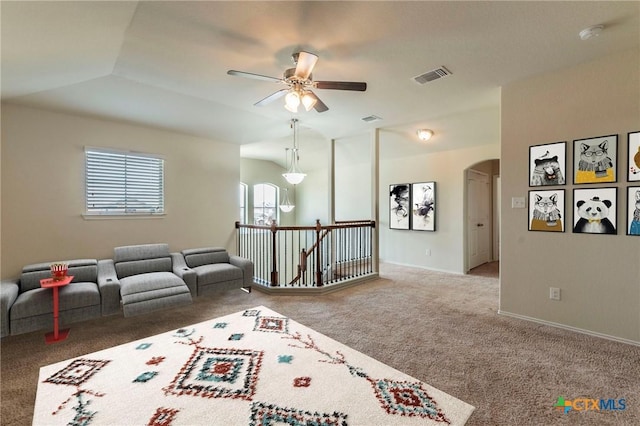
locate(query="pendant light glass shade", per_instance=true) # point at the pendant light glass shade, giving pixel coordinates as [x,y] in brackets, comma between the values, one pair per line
[294,175]
[285,204]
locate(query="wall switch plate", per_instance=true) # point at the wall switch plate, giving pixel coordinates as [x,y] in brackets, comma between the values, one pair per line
[517,203]
[428,252]
[554,293]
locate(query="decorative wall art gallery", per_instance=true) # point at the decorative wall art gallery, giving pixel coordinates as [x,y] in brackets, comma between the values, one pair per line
[412,206]
[595,209]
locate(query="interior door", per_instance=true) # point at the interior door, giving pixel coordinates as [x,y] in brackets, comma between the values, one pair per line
[478,218]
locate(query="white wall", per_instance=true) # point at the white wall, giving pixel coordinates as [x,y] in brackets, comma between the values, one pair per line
[599,275]
[353,178]
[43,189]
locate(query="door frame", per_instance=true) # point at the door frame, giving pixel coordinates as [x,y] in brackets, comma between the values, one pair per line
[465,208]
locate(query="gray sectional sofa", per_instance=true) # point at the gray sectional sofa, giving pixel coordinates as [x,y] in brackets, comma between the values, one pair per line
[212,270]
[146,278]
[139,279]
[32,306]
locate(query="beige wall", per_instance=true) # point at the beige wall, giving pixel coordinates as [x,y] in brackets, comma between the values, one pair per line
[43,189]
[447,244]
[253,172]
[599,275]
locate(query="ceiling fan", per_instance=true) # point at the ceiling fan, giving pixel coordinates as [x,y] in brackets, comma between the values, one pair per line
[299,82]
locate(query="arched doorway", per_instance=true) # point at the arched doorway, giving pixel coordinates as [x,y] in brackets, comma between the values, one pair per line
[482,215]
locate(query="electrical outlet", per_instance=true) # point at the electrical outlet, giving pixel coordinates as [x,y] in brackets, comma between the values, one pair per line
[554,293]
[428,252]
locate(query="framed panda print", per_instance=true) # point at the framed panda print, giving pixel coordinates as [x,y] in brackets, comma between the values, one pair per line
[546,210]
[633,210]
[595,211]
[633,144]
[595,159]
[547,164]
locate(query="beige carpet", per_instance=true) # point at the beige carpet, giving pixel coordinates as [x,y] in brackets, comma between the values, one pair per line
[439,328]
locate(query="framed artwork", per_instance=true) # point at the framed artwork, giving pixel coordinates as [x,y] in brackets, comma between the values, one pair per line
[595,159]
[423,206]
[595,211]
[633,140]
[546,210]
[399,199]
[547,164]
[633,210]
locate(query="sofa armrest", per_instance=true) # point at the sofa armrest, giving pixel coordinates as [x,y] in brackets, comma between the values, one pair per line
[247,268]
[187,274]
[109,287]
[9,290]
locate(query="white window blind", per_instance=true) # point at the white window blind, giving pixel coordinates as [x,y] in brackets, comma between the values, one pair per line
[123,183]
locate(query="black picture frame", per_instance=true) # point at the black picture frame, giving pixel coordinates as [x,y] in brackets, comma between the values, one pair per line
[595,210]
[547,210]
[547,164]
[633,210]
[399,206]
[595,160]
[423,206]
[633,154]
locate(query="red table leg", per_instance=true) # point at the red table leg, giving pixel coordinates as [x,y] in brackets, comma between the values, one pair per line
[57,334]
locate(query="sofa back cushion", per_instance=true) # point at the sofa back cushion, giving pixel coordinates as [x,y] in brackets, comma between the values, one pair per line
[142,259]
[205,256]
[83,270]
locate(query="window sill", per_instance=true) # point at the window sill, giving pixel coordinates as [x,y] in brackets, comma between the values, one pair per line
[107,216]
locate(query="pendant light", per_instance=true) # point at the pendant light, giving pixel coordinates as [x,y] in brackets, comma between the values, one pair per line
[294,175]
[286,205]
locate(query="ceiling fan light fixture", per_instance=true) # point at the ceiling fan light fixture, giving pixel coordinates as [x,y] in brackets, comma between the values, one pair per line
[425,134]
[308,101]
[292,101]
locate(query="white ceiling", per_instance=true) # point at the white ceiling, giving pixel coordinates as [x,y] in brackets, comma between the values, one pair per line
[164,64]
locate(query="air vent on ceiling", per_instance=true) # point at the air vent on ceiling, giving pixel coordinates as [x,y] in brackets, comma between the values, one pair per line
[432,75]
[371,118]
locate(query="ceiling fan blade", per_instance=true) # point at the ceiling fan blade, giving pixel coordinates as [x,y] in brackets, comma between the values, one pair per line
[341,85]
[254,76]
[306,62]
[319,105]
[272,97]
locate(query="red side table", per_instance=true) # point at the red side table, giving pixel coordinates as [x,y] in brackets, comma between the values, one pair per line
[56,335]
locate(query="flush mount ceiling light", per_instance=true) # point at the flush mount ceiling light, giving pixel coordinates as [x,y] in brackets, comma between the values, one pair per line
[424,134]
[294,176]
[593,31]
[286,205]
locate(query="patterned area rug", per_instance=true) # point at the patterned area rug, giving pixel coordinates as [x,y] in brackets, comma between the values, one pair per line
[254,367]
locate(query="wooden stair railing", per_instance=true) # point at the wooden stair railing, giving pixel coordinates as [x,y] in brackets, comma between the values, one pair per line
[304,254]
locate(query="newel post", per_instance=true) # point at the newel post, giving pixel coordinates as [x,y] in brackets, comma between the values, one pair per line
[274,256]
[318,255]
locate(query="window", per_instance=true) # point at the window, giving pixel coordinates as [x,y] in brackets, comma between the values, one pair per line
[243,202]
[265,204]
[123,183]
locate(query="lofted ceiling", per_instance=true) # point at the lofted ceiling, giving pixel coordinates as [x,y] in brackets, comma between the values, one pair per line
[164,64]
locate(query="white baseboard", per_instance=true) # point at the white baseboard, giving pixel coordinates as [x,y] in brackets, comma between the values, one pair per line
[569,328]
[422,267]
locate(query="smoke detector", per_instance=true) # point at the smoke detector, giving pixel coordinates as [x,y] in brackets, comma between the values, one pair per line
[591,32]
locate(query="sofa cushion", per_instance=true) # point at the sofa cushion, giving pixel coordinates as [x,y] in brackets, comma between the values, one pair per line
[40,301]
[136,267]
[203,256]
[133,288]
[83,270]
[217,272]
[140,252]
